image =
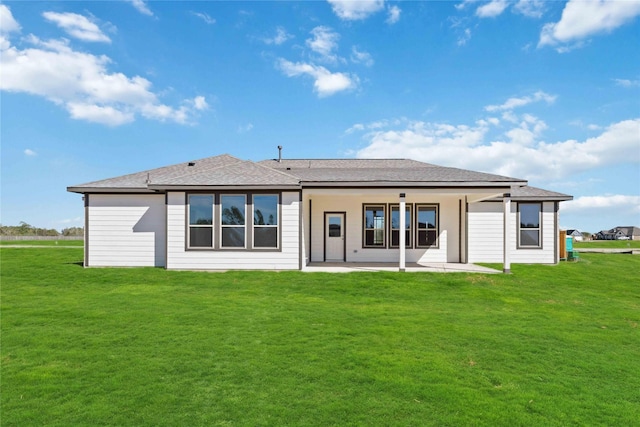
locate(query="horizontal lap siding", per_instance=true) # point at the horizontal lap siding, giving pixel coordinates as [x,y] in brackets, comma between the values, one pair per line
[180,258]
[485,232]
[486,235]
[126,231]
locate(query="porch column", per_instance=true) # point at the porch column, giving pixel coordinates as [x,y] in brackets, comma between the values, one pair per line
[507,233]
[402,232]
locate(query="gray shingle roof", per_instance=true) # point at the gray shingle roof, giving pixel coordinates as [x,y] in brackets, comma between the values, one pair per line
[343,163]
[243,173]
[225,171]
[535,194]
[381,171]
[138,180]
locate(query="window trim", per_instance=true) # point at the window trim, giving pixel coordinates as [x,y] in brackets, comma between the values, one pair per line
[436,206]
[364,225]
[409,243]
[538,228]
[221,226]
[217,220]
[189,225]
[277,226]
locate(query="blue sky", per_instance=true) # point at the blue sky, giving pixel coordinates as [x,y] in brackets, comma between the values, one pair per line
[545,91]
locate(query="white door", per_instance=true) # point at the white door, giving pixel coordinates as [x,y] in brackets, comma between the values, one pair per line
[334,237]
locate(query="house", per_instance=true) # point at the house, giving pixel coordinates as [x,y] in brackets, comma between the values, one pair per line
[225,213]
[575,234]
[619,233]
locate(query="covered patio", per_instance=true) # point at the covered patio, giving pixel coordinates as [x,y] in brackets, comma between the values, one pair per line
[433,267]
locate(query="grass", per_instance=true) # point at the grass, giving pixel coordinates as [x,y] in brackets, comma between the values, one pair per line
[41,242]
[608,244]
[546,345]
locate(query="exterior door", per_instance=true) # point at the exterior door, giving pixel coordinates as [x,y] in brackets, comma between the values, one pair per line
[334,233]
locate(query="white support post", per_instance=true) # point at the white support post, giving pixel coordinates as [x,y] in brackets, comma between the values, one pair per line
[507,233]
[402,244]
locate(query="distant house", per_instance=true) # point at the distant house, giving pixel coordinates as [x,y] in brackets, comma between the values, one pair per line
[619,233]
[225,213]
[576,234]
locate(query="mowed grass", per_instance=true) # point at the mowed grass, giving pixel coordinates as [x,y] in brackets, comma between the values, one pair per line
[41,242]
[546,345]
[608,244]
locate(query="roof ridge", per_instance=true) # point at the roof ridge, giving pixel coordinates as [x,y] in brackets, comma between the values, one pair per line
[276,170]
[237,160]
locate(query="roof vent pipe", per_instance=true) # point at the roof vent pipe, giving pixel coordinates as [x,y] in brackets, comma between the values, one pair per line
[279,153]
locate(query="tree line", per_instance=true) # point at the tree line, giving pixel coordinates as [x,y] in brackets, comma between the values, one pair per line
[24,229]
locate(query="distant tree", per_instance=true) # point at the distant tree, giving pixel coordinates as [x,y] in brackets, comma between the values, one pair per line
[24,229]
[73,231]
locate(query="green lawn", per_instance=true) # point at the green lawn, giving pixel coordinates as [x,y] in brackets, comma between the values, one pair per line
[546,345]
[42,242]
[608,244]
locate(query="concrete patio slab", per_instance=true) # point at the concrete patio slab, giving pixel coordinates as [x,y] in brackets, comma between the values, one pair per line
[437,267]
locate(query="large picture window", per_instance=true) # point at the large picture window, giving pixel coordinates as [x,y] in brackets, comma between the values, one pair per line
[200,221]
[374,226]
[232,221]
[395,226]
[529,224]
[265,221]
[426,226]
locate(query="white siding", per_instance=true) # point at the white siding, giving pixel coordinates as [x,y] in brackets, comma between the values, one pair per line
[178,257]
[126,230]
[352,205]
[486,235]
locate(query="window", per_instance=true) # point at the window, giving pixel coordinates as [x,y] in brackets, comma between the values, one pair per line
[232,221]
[200,221]
[395,226]
[529,229]
[374,225]
[265,221]
[426,226]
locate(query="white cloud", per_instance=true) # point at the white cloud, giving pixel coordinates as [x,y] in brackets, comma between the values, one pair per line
[280,37]
[82,84]
[584,18]
[29,152]
[246,128]
[616,202]
[205,17]
[393,15]
[7,23]
[530,8]
[627,82]
[465,3]
[361,57]
[512,103]
[492,9]
[324,42]
[199,103]
[103,114]
[325,83]
[465,37]
[142,7]
[77,26]
[353,10]
[521,154]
